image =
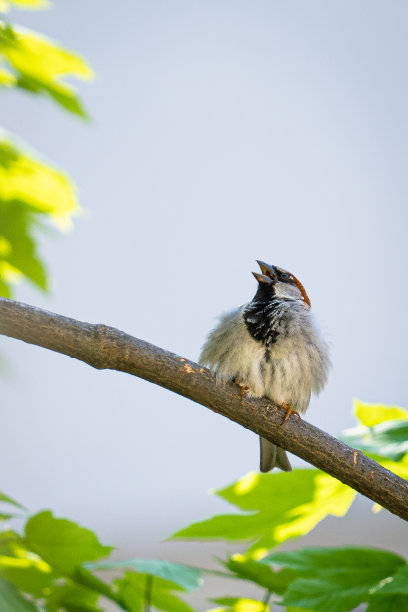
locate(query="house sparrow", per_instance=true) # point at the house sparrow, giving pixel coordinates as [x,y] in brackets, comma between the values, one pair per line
[272,347]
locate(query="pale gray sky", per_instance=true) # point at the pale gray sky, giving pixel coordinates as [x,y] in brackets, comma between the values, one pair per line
[223,132]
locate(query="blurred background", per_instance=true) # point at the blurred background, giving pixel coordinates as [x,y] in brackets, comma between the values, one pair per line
[222,132]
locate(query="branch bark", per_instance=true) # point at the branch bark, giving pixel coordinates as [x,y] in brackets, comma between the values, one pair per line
[105,347]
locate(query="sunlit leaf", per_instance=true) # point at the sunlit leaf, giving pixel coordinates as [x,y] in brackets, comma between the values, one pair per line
[40,65]
[72,598]
[188,578]
[239,604]
[7,79]
[27,571]
[373,414]
[12,600]
[35,185]
[276,507]
[6,5]
[62,543]
[27,575]
[335,579]
[29,191]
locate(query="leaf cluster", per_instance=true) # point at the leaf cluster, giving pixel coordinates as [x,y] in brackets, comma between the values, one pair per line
[51,566]
[30,192]
[33,192]
[273,508]
[55,565]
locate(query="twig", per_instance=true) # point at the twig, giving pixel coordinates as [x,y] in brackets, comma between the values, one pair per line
[105,347]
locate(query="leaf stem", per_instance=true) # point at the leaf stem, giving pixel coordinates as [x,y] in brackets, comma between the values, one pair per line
[266,600]
[148,592]
[85,578]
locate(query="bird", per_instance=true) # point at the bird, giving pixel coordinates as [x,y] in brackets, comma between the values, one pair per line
[271,347]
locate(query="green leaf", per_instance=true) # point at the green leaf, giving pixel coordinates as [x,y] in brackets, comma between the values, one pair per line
[7,79]
[8,539]
[85,578]
[335,579]
[164,600]
[276,507]
[62,543]
[35,185]
[72,598]
[239,604]
[8,500]
[26,571]
[11,600]
[384,430]
[5,290]
[388,439]
[40,65]
[188,578]
[65,96]
[373,414]
[133,589]
[29,191]
[28,578]
[388,603]
[260,573]
[16,225]
[396,584]
[331,561]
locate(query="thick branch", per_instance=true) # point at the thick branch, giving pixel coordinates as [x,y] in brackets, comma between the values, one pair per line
[108,348]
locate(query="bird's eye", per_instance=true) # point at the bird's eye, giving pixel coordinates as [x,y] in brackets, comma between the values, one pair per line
[286,276]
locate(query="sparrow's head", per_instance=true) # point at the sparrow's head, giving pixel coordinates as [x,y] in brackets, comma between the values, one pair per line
[278,284]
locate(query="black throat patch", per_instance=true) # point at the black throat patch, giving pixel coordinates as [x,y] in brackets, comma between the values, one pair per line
[264,321]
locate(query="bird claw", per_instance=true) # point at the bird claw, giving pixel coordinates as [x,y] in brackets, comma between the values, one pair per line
[289,411]
[242,388]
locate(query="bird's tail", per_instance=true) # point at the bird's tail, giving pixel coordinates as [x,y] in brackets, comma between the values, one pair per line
[273,456]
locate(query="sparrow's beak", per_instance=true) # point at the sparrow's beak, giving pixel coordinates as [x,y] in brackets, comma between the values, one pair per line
[262,278]
[267,270]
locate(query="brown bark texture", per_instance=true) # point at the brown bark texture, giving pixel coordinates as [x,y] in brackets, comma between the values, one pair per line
[105,347]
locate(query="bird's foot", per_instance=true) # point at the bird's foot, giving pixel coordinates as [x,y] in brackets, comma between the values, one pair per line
[242,388]
[289,411]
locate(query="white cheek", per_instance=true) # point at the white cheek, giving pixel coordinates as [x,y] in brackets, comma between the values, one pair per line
[289,292]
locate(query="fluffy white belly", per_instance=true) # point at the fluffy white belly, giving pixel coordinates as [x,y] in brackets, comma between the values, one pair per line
[286,372]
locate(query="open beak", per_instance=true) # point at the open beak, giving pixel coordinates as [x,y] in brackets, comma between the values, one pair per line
[267,270]
[262,278]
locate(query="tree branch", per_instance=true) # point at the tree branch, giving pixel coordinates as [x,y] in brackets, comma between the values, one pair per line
[105,347]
